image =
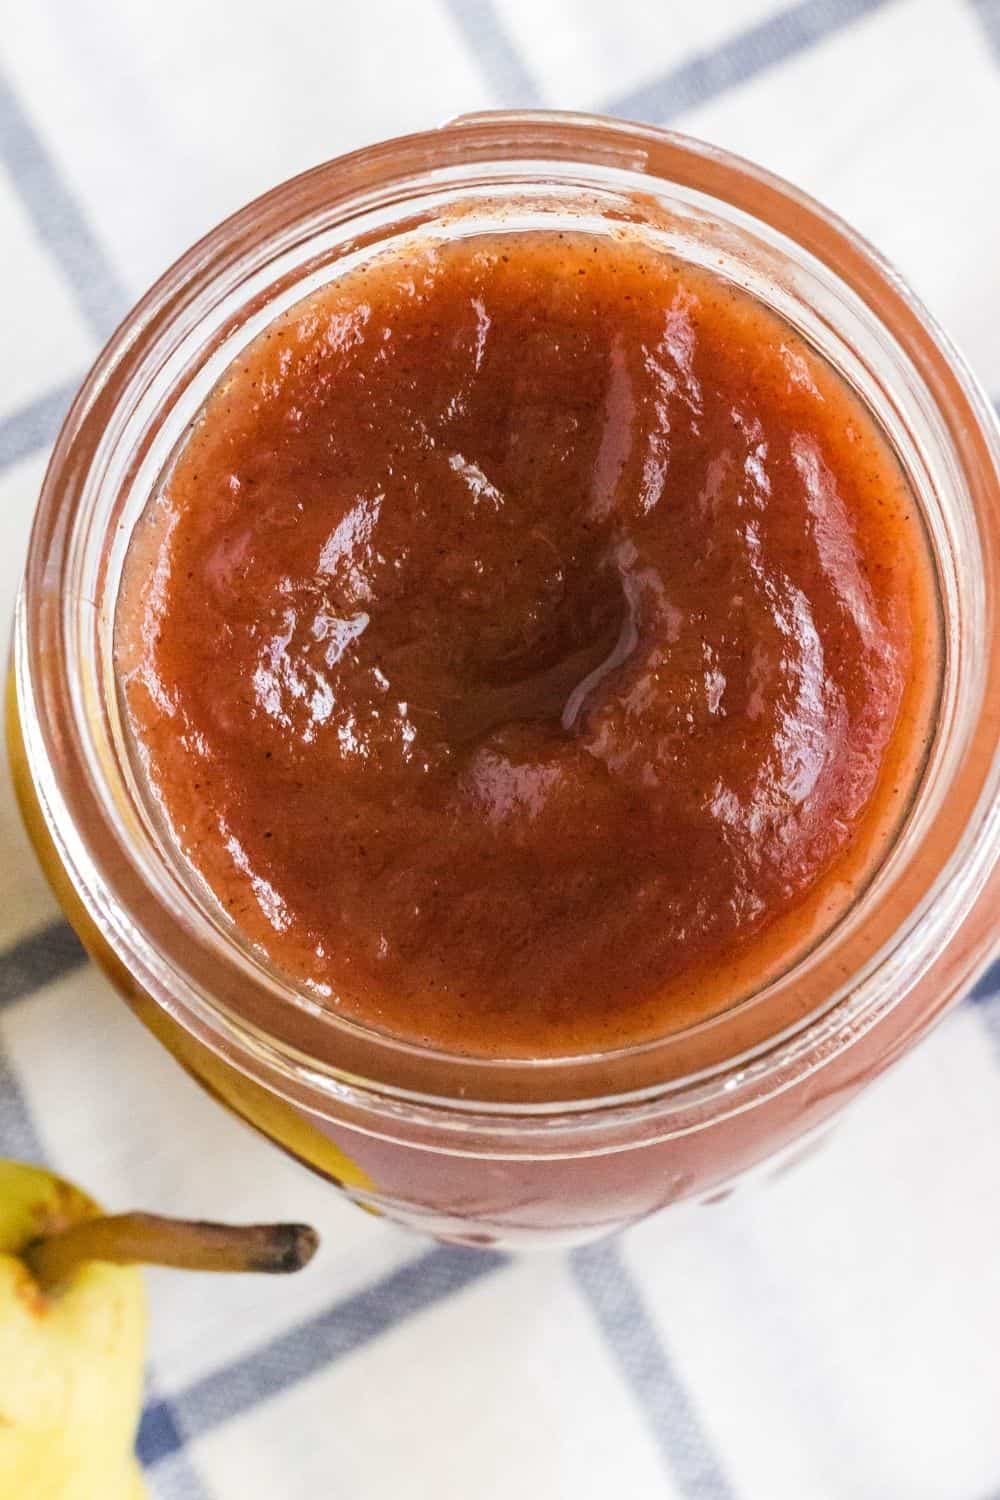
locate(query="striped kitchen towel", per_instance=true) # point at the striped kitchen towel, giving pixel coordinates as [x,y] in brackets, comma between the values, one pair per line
[833,1337]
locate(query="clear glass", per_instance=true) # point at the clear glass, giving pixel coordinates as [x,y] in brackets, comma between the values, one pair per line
[547,1150]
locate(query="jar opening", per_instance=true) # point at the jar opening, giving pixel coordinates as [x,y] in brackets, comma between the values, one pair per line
[149,385]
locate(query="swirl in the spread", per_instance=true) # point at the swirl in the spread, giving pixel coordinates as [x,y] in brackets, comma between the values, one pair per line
[524,646]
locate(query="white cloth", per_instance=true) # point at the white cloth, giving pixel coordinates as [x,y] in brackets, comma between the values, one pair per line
[834,1336]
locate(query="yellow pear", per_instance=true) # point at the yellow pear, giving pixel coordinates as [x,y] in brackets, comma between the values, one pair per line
[72,1327]
[71,1357]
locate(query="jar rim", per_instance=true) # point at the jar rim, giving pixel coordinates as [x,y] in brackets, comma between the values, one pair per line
[188,974]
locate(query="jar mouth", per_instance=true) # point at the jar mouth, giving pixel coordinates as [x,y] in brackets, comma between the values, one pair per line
[118,439]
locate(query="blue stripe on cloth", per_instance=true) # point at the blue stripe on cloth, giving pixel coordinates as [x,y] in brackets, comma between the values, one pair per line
[35,425]
[311,1346]
[158,1442]
[38,960]
[986,999]
[988,987]
[744,56]
[18,1137]
[58,218]
[988,12]
[631,1335]
[159,1434]
[498,57]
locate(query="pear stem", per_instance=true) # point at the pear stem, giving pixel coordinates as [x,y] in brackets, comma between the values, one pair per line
[190,1245]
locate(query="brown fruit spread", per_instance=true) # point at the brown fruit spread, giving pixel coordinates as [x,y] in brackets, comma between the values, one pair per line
[530,645]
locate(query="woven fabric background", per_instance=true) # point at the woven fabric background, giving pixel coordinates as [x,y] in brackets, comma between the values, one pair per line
[834,1335]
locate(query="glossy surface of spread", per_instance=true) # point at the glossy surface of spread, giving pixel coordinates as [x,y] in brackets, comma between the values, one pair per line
[530,643]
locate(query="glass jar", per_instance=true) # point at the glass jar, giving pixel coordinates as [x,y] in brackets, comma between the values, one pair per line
[547,1150]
